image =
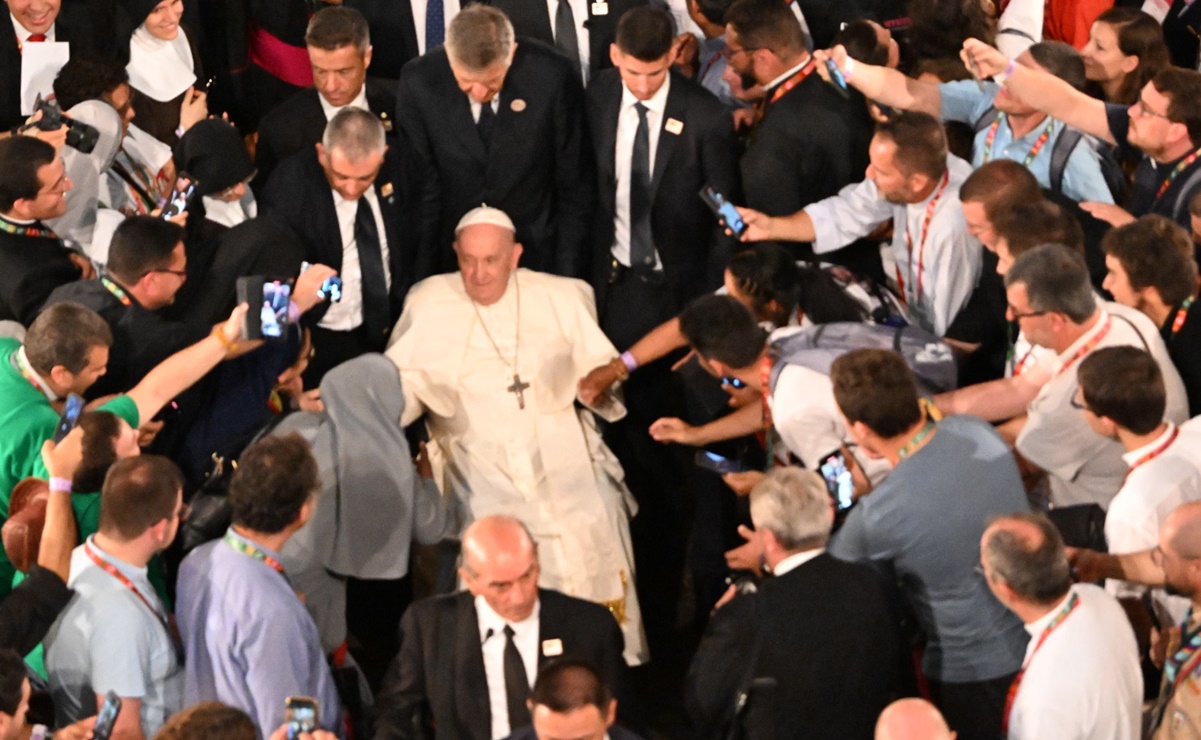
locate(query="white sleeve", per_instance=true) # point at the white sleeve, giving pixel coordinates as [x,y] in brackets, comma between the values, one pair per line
[951,267]
[852,214]
[1020,27]
[805,415]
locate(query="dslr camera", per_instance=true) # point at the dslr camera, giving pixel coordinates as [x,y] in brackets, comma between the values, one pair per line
[80,135]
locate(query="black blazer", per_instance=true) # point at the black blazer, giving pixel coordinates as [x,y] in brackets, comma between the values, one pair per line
[74,25]
[691,245]
[832,646]
[538,169]
[30,269]
[616,732]
[532,18]
[299,123]
[390,20]
[299,197]
[437,680]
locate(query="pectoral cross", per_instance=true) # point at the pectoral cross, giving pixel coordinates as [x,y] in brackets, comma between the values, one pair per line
[518,389]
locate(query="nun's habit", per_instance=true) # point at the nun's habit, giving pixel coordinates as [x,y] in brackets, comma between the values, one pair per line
[160,72]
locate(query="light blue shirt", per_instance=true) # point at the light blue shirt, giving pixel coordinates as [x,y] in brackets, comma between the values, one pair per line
[965,102]
[711,65]
[250,643]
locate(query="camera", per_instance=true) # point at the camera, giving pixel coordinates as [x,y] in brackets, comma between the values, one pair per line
[80,135]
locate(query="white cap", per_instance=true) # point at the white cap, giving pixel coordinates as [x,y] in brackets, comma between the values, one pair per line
[485,215]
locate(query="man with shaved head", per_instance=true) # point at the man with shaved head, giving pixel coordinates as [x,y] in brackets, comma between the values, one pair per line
[912,719]
[468,660]
[1080,678]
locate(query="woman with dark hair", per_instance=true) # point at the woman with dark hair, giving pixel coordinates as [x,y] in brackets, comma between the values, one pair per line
[938,28]
[164,68]
[1125,50]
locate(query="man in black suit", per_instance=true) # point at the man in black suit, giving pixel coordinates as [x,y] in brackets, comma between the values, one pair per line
[581,29]
[467,660]
[412,28]
[821,629]
[497,122]
[809,142]
[340,50]
[570,700]
[33,260]
[348,203]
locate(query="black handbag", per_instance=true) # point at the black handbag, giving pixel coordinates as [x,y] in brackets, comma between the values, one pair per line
[210,513]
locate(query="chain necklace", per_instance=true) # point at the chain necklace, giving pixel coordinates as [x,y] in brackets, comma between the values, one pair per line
[518,387]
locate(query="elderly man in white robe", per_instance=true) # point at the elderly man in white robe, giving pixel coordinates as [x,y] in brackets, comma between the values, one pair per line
[493,355]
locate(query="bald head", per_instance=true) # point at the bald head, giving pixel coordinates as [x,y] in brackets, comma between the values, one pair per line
[1182,530]
[912,719]
[494,539]
[500,564]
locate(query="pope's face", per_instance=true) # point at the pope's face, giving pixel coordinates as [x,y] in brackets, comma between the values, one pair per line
[487,255]
[37,16]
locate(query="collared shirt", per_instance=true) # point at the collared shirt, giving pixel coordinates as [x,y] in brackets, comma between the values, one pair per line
[360,102]
[711,68]
[22,361]
[450,8]
[627,128]
[965,102]
[475,106]
[492,638]
[250,641]
[109,640]
[24,33]
[796,560]
[1084,681]
[1150,175]
[779,80]
[347,314]
[231,213]
[947,265]
[579,14]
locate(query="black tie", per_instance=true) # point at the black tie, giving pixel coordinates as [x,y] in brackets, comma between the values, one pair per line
[642,244]
[484,124]
[565,36]
[517,685]
[371,269]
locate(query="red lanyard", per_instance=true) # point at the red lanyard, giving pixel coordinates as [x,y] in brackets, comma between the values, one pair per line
[1180,167]
[1039,143]
[1021,364]
[1073,602]
[1181,317]
[162,617]
[787,85]
[1089,346]
[1155,452]
[921,246]
[708,65]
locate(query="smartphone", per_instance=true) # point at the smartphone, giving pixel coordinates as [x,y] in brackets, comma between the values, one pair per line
[330,289]
[837,474]
[733,383]
[179,201]
[269,299]
[717,463]
[837,79]
[70,417]
[725,210]
[300,715]
[107,717]
[975,70]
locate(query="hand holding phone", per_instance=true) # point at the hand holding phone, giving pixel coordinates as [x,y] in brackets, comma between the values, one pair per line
[837,79]
[716,463]
[107,718]
[72,407]
[180,199]
[837,474]
[269,300]
[724,210]
[300,715]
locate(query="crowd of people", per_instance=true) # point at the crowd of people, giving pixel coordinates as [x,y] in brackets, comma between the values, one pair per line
[618,369]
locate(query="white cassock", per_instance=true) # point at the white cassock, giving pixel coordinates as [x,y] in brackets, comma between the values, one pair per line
[545,464]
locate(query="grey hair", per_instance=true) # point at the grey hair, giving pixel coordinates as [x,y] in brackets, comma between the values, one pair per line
[479,37]
[1037,571]
[794,505]
[354,132]
[1056,280]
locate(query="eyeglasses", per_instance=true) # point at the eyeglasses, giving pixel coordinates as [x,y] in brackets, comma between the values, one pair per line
[1018,315]
[181,274]
[730,52]
[1141,106]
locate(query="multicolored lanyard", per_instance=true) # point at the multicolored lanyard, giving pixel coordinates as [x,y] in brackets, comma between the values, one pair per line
[1155,452]
[787,85]
[1181,317]
[1180,663]
[1180,167]
[912,445]
[117,291]
[164,620]
[248,549]
[1059,618]
[26,371]
[1089,346]
[921,246]
[1039,143]
[22,230]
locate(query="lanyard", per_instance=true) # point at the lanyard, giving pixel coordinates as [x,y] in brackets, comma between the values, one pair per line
[1089,346]
[1039,143]
[1155,452]
[248,549]
[1181,317]
[163,619]
[22,230]
[26,371]
[768,432]
[921,246]
[1181,166]
[1059,618]
[117,291]
[787,85]
[1190,648]
[912,445]
[708,65]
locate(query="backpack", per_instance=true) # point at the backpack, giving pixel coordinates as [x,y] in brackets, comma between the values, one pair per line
[816,347]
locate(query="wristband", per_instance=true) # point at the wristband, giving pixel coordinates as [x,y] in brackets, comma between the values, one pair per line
[1004,75]
[60,484]
[848,69]
[628,360]
[219,333]
[179,131]
[293,312]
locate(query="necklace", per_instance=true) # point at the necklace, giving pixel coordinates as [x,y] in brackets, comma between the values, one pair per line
[518,387]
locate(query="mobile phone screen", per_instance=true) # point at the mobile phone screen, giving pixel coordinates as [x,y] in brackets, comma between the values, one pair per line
[724,209]
[733,382]
[179,202]
[70,417]
[107,717]
[838,479]
[300,714]
[273,315]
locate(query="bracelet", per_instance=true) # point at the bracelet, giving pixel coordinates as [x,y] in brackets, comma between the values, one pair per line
[619,367]
[220,335]
[60,484]
[1004,75]
[848,69]
[627,358]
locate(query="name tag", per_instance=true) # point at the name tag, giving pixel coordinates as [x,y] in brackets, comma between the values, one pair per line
[601,8]
[552,648]
[674,126]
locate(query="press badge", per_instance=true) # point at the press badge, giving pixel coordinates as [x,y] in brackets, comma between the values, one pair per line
[601,8]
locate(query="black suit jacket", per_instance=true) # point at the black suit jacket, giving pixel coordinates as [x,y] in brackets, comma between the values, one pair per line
[30,269]
[691,246]
[299,123]
[616,732]
[391,20]
[538,168]
[74,25]
[438,681]
[299,197]
[831,645]
[532,18]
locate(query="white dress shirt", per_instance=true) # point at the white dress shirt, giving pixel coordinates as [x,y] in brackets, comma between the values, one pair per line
[795,560]
[347,314]
[450,8]
[579,14]
[1084,681]
[475,107]
[492,638]
[779,80]
[24,33]
[359,102]
[627,127]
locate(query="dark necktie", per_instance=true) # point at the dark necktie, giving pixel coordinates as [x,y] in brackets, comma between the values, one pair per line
[485,123]
[517,684]
[565,36]
[435,24]
[371,268]
[642,244]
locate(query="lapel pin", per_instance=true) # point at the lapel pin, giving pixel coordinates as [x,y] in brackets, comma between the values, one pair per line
[386,190]
[674,126]
[517,106]
[552,648]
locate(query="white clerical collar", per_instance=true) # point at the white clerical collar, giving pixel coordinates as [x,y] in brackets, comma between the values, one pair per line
[795,560]
[359,102]
[1036,627]
[1102,320]
[160,69]
[656,103]
[24,33]
[1135,455]
[230,213]
[42,385]
[491,623]
[776,82]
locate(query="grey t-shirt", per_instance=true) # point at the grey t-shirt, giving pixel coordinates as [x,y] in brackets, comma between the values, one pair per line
[925,520]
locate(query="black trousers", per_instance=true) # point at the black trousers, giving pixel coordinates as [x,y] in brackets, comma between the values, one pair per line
[332,348]
[975,709]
